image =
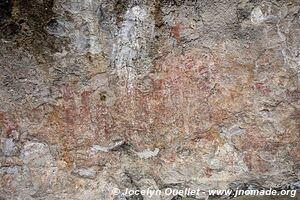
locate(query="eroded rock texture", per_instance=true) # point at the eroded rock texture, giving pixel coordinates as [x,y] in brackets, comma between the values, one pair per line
[103,94]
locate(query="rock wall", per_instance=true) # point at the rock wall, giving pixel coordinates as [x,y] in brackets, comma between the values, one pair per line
[96,95]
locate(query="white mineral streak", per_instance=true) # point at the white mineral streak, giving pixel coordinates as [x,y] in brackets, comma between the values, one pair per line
[96,148]
[289,60]
[257,16]
[8,146]
[93,27]
[131,45]
[147,153]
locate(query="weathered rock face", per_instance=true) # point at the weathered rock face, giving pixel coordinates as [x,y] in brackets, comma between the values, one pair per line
[138,94]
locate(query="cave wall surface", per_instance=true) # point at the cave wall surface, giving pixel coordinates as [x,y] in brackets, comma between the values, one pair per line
[103,94]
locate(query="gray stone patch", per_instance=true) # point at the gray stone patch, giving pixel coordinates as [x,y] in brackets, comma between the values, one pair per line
[257,16]
[232,130]
[147,153]
[114,146]
[85,173]
[8,146]
[10,170]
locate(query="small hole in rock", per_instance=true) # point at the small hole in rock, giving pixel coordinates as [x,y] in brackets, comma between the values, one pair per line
[21,21]
[102,97]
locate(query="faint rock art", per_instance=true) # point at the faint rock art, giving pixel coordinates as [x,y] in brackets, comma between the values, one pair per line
[39,166]
[200,93]
[175,32]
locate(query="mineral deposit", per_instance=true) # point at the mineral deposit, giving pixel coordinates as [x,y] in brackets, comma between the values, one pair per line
[137,94]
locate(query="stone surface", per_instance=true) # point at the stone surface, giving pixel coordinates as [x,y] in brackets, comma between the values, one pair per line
[96,95]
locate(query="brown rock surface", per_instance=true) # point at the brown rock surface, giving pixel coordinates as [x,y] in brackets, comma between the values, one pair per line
[96,95]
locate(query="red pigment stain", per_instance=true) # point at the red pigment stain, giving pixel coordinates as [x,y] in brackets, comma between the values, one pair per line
[255,163]
[264,89]
[175,32]
[9,125]
[69,106]
[208,172]
[85,102]
[103,123]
